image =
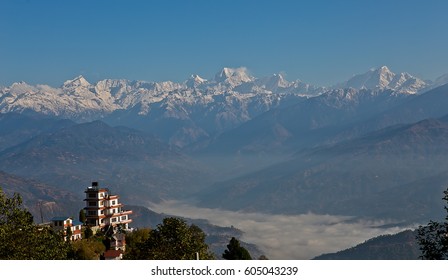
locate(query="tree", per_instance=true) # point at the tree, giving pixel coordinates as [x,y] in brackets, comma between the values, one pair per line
[174,239]
[82,216]
[68,233]
[433,238]
[44,245]
[21,239]
[11,211]
[88,249]
[234,251]
[88,232]
[135,243]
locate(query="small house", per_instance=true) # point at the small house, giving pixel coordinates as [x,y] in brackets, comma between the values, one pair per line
[64,223]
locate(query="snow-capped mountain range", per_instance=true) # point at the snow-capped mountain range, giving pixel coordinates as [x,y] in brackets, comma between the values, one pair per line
[383,78]
[208,106]
[78,99]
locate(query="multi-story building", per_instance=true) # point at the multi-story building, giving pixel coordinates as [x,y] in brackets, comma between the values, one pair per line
[64,223]
[103,209]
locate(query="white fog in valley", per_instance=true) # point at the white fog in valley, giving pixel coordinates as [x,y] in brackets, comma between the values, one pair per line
[287,237]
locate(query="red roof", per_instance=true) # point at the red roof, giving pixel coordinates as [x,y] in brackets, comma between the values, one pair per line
[112,253]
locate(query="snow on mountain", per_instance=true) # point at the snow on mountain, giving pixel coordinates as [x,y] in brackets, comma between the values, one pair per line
[274,82]
[233,76]
[383,78]
[194,81]
[373,79]
[405,83]
[79,81]
[73,100]
[278,84]
[209,107]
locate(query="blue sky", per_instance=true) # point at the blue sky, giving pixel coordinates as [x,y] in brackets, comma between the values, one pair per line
[319,42]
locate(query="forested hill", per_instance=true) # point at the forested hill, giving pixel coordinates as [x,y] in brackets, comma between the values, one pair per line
[400,246]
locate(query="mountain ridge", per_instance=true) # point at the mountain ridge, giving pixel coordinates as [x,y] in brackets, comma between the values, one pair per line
[207,107]
[139,165]
[366,176]
[383,78]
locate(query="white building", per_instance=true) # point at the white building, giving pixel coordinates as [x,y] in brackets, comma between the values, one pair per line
[63,223]
[103,209]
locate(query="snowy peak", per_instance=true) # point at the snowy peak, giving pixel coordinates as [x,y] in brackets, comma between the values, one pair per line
[198,79]
[194,81]
[233,76]
[79,81]
[21,87]
[383,78]
[276,81]
[108,84]
[374,78]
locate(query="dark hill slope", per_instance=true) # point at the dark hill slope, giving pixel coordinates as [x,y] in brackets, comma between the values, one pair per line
[42,199]
[136,165]
[400,246]
[432,104]
[17,128]
[306,123]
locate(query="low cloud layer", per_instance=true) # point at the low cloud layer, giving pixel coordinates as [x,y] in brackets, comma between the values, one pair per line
[284,236]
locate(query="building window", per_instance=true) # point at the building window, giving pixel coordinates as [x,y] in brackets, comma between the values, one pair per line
[92,203]
[92,195]
[114,202]
[123,218]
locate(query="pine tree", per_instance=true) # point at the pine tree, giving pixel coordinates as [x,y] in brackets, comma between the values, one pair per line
[433,238]
[68,233]
[88,232]
[82,216]
[234,251]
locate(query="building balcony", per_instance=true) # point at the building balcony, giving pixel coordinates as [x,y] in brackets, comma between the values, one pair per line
[119,213]
[114,206]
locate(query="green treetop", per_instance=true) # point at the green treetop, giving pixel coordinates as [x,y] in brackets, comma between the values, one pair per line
[21,239]
[235,251]
[174,239]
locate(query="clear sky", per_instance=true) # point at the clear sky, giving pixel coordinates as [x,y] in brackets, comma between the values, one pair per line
[316,41]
